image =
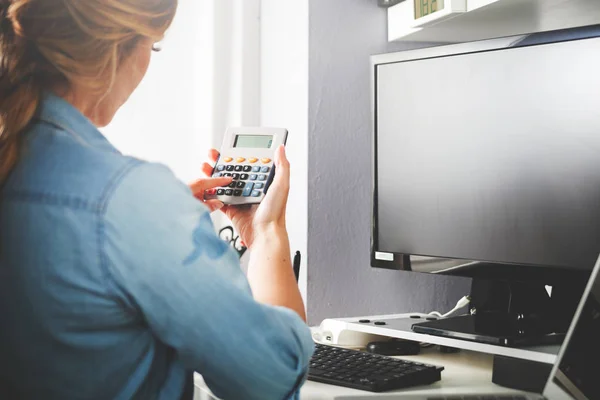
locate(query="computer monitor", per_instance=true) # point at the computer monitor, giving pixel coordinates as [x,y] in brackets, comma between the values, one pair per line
[487,165]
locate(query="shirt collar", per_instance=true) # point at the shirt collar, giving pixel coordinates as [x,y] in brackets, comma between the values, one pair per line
[60,113]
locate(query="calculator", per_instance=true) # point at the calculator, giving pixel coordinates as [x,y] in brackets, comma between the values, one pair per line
[247,156]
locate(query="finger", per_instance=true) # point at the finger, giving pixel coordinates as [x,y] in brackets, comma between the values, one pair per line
[214,205]
[213,155]
[207,169]
[282,171]
[277,196]
[209,183]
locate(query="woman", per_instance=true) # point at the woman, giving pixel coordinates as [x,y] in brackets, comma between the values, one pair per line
[113,284]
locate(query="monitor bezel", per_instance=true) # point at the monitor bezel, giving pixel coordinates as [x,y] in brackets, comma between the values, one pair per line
[400,261]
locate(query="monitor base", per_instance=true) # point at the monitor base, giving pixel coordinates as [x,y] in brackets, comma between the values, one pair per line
[470,327]
[512,313]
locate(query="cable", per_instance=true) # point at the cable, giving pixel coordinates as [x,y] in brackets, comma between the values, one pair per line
[459,305]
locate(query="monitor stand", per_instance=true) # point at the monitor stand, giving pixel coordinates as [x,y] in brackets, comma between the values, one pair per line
[513,313]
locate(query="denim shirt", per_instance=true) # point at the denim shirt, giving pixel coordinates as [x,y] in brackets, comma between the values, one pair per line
[113,284]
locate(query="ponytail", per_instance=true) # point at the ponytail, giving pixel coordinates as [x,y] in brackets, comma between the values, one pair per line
[57,45]
[19,93]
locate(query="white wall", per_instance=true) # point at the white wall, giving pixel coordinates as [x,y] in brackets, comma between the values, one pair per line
[284,103]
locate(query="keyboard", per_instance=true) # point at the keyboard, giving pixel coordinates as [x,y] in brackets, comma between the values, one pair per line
[366,371]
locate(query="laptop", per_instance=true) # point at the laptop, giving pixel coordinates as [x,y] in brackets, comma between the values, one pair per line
[575,375]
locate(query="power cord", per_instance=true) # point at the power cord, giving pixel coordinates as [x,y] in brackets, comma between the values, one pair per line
[462,303]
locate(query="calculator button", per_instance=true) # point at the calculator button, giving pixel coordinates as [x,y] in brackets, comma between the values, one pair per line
[228,192]
[217,175]
[241,184]
[264,170]
[235,176]
[255,169]
[248,190]
[252,160]
[228,159]
[256,193]
[259,185]
[230,168]
[238,168]
[221,168]
[232,185]
[244,177]
[220,192]
[253,177]
[262,178]
[227,175]
[240,159]
[247,168]
[266,160]
[237,193]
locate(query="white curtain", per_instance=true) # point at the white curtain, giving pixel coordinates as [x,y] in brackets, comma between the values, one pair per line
[206,78]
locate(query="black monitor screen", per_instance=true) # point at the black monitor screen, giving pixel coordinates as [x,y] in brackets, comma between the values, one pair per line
[491,156]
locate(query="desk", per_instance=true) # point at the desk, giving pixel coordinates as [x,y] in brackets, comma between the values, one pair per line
[466,372]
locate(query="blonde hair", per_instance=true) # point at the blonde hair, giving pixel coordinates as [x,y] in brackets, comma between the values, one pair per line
[45,44]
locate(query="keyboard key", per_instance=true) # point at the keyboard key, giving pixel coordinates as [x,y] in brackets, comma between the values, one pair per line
[244,177]
[247,168]
[239,168]
[265,170]
[241,185]
[237,193]
[235,176]
[255,169]
[262,178]
[230,168]
[228,175]
[228,192]
[256,193]
[253,177]
[232,185]
[248,189]
[217,175]
[221,168]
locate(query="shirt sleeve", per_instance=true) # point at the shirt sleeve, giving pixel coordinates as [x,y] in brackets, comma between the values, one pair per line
[162,252]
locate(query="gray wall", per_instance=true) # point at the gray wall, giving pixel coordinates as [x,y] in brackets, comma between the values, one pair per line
[343,34]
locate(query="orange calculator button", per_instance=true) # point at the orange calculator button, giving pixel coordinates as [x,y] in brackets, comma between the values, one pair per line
[241,159]
[252,160]
[228,159]
[266,160]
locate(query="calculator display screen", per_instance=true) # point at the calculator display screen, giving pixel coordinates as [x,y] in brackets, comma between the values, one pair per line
[253,141]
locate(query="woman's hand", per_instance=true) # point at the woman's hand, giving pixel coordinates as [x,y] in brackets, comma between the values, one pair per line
[250,221]
[202,185]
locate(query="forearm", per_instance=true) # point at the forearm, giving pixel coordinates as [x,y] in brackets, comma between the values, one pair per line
[270,272]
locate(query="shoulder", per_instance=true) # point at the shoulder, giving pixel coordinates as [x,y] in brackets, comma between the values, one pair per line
[149,187]
[57,166]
